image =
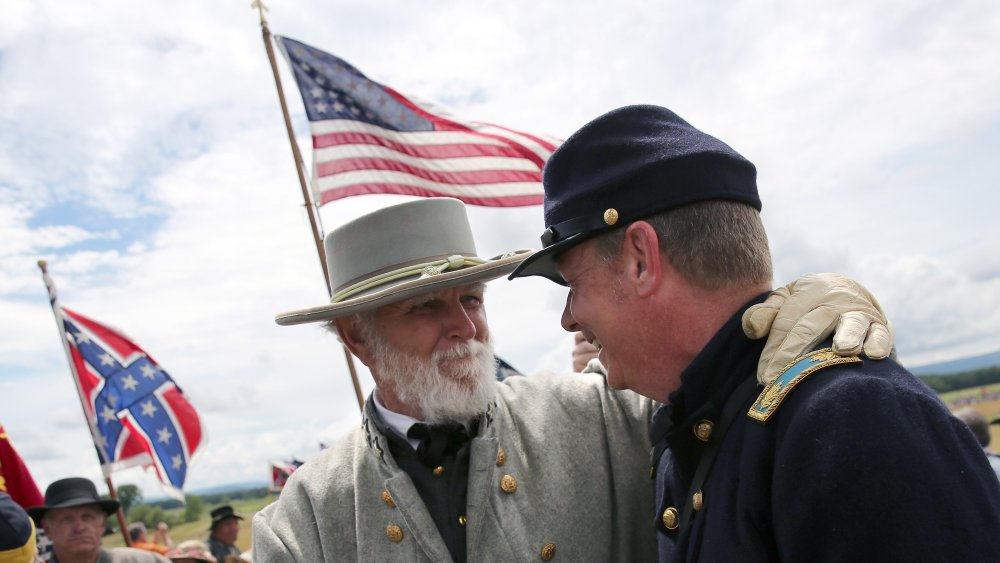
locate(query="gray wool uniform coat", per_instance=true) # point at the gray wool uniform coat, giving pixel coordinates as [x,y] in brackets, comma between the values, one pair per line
[559,470]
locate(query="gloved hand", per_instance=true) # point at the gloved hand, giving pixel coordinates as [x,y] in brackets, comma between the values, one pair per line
[802,314]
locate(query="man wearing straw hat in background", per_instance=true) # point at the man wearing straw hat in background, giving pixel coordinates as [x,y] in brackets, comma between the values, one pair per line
[73,518]
[449,464]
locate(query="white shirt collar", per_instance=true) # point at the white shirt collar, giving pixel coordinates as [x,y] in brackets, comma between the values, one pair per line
[401,423]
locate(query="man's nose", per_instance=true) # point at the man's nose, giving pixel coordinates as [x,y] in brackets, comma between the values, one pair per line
[567,321]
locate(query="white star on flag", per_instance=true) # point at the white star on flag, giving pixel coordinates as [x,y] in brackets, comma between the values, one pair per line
[129,382]
[148,408]
[148,371]
[107,414]
[81,338]
[176,461]
[106,359]
[164,435]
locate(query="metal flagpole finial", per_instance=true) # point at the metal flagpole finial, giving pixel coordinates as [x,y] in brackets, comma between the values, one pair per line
[261,8]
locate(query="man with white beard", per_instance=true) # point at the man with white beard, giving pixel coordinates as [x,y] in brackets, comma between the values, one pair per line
[448,464]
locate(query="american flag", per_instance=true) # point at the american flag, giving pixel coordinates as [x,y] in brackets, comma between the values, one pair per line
[368,138]
[138,415]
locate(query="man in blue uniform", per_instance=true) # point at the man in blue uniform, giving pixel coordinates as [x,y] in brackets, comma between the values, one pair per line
[655,228]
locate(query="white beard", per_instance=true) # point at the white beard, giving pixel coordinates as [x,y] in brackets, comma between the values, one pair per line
[454,385]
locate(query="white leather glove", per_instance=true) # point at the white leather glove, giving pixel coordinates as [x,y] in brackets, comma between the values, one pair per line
[802,314]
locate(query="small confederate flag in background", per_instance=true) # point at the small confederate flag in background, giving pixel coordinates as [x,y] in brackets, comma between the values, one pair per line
[368,138]
[137,412]
[15,480]
[280,472]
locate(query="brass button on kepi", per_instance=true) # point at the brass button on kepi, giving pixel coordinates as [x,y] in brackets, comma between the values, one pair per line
[670,518]
[462,520]
[501,457]
[438,471]
[387,499]
[697,500]
[508,484]
[611,216]
[703,429]
[548,552]
[394,532]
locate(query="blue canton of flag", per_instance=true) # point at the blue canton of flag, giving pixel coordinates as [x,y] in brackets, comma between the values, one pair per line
[137,412]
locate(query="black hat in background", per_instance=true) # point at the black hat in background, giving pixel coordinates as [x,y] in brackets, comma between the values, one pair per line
[72,491]
[223,512]
[628,164]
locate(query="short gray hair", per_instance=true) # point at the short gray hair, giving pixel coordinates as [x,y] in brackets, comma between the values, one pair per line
[712,244]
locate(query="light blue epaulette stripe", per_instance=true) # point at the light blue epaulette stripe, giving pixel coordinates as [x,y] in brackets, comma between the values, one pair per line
[790,376]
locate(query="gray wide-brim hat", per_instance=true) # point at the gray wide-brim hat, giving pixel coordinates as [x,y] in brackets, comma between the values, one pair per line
[400,252]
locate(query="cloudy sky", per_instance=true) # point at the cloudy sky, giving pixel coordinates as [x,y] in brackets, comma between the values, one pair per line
[143,154]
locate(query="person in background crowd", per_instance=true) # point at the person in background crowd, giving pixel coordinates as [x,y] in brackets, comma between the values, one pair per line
[162,535]
[73,518]
[981,430]
[655,228]
[448,463]
[223,532]
[191,551]
[17,533]
[140,540]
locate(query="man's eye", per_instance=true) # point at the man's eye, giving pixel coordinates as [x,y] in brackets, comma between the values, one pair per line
[471,300]
[424,305]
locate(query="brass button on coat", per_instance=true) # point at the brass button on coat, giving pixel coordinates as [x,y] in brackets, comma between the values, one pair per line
[462,520]
[394,532]
[670,518]
[697,500]
[438,471]
[703,429]
[508,484]
[610,216]
[387,499]
[501,457]
[548,552]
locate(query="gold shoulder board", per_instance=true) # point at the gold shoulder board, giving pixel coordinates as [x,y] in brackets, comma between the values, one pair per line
[790,376]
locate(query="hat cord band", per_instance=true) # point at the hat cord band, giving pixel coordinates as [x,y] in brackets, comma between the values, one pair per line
[425,270]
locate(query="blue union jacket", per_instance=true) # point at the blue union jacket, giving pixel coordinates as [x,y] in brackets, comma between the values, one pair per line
[842,460]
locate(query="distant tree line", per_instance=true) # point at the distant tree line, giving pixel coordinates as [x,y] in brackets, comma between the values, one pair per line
[152,513]
[954,381]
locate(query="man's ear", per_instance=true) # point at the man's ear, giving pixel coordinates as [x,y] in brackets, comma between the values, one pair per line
[643,269]
[350,335]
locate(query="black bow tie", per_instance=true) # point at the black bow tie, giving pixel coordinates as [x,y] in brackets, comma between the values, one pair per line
[438,441]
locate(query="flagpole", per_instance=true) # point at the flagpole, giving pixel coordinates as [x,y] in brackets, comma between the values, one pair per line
[53,301]
[299,166]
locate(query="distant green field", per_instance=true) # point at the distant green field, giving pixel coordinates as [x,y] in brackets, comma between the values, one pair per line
[198,530]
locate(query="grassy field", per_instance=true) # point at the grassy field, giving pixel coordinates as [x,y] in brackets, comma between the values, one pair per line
[198,530]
